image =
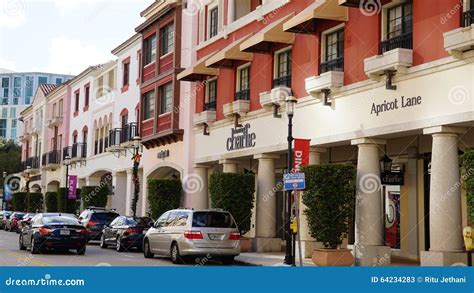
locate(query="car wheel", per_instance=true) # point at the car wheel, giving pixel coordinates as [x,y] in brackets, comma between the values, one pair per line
[81,251]
[102,242]
[146,249]
[119,245]
[227,260]
[34,248]
[176,258]
[21,245]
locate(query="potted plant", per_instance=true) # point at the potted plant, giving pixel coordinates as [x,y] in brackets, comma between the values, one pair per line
[234,192]
[330,201]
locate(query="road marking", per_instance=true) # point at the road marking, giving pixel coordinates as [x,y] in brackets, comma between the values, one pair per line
[23,258]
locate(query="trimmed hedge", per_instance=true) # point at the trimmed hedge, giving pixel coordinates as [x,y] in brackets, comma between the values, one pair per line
[330,201]
[235,193]
[468,178]
[51,199]
[20,201]
[69,206]
[35,202]
[163,195]
[95,196]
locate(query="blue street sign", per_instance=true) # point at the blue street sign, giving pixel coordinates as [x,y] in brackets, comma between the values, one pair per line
[294,181]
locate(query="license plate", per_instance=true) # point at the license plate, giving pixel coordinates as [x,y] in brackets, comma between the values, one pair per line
[215,236]
[64,232]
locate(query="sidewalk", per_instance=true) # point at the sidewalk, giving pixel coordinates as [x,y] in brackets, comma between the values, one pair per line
[269,259]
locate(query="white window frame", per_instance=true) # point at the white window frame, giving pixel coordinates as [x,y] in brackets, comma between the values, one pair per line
[211,6]
[275,59]
[238,75]
[206,97]
[384,17]
[323,40]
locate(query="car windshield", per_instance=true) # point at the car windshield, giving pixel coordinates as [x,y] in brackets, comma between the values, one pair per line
[213,220]
[19,215]
[103,217]
[53,220]
[61,215]
[138,221]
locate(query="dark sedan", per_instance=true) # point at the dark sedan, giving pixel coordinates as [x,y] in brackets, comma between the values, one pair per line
[125,232]
[54,231]
[11,224]
[4,216]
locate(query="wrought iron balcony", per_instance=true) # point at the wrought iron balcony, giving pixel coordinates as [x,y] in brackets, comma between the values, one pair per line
[130,131]
[404,41]
[282,81]
[53,158]
[468,18]
[332,65]
[243,95]
[32,162]
[118,136]
[77,151]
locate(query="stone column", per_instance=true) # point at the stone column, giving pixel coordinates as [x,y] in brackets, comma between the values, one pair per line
[445,199]
[129,192]
[266,223]
[369,244]
[230,11]
[197,187]
[119,200]
[229,166]
[308,244]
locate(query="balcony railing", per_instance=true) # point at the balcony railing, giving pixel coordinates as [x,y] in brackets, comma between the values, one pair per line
[332,65]
[243,95]
[76,151]
[32,162]
[130,131]
[210,106]
[51,158]
[115,136]
[282,81]
[118,136]
[404,41]
[468,18]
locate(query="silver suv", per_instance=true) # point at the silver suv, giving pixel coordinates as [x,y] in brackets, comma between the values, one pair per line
[183,233]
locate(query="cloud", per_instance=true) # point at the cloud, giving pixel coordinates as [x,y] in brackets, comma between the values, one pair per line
[71,56]
[12,13]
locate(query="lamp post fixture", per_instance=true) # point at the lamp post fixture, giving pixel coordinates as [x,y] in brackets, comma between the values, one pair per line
[290,111]
[66,163]
[386,164]
[136,182]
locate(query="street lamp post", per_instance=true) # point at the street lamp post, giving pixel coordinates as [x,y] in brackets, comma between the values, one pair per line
[290,111]
[66,163]
[3,199]
[136,182]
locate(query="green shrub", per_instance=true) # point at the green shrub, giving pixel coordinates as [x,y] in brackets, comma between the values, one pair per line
[330,201]
[468,178]
[51,199]
[234,192]
[95,196]
[20,201]
[163,195]
[35,202]
[67,206]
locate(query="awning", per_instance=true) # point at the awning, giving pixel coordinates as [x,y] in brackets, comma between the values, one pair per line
[227,56]
[306,20]
[263,41]
[199,71]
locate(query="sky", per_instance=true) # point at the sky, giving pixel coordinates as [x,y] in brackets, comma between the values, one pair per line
[64,36]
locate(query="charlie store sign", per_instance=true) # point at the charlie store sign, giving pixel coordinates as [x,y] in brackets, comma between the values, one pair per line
[241,138]
[395,104]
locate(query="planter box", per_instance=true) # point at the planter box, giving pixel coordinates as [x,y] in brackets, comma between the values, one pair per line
[328,80]
[332,257]
[239,107]
[394,60]
[459,40]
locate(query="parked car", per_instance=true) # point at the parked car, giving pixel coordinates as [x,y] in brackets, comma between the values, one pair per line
[49,231]
[4,216]
[11,223]
[125,232]
[186,233]
[25,221]
[94,219]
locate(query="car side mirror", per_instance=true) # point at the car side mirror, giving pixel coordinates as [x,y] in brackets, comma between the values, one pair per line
[151,224]
[157,225]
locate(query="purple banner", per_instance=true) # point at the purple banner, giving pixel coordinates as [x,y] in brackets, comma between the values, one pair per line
[72,184]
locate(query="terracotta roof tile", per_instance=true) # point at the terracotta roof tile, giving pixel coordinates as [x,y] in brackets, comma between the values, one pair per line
[47,88]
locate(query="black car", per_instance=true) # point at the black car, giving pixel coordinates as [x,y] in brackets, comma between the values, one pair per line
[50,231]
[125,232]
[94,219]
[4,216]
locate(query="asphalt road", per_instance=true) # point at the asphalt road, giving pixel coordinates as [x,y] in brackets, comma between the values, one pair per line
[11,255]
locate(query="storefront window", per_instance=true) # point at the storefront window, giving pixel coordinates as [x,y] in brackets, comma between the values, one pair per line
[148,102]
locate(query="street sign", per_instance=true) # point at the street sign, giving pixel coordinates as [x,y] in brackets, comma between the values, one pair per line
[294,181]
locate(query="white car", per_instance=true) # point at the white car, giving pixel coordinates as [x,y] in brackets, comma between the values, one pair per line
[184,233]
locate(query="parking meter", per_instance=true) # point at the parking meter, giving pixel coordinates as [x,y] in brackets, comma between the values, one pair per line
[467,233]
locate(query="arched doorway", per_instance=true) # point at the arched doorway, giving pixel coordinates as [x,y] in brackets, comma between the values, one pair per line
[53,186]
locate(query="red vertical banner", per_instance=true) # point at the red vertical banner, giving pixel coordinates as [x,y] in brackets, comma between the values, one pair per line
[300,154]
